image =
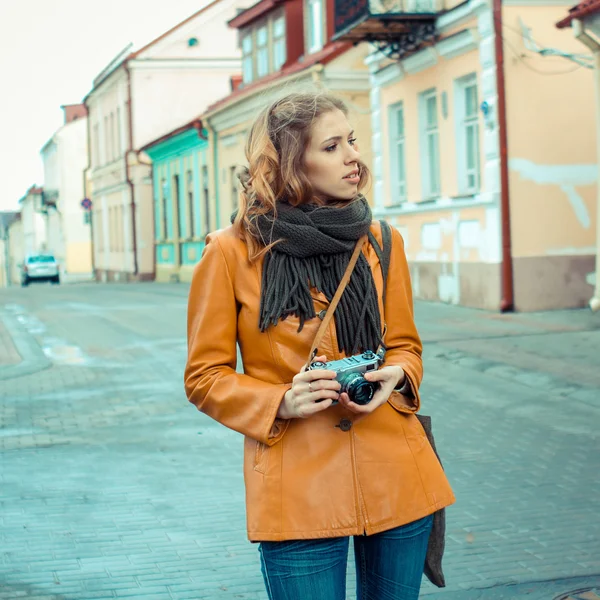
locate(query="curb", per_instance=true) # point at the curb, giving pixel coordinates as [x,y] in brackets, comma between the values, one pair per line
[33,357]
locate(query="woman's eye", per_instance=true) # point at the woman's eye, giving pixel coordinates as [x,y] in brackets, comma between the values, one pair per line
[331,148]
[352,141]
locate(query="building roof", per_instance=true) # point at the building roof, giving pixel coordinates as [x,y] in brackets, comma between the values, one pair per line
[166,33]
[253,12]
[7,217]
[32,191]
[194,123]
[324,56]
[579,11]
[72,112]
[125,55]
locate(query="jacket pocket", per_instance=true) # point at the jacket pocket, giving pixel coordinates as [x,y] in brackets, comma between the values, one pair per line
[261,458]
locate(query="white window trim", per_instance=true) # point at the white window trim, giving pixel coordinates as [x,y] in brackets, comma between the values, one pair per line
[321,25]
[265,48]
[426,176]
[460,86]
[397,196]
[249,34]
[277,66]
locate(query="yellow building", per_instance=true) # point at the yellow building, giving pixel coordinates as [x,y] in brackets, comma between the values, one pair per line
[286,46]
[479,114]
[584,21]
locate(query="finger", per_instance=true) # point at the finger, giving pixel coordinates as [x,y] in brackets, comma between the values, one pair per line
[381,375]
[317,374]
[323,384]
[321,358]
[323,395]
[316,407]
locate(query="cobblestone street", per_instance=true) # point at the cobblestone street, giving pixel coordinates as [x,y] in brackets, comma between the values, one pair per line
[114,486]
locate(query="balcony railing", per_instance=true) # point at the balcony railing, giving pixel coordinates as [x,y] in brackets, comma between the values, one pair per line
[396,26]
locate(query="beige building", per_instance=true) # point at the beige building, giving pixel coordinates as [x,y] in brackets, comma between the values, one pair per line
[139,97]
[16,250]
[7,221]
[68,230]
[584,20]
[286,46]
[479,113]
[31,205]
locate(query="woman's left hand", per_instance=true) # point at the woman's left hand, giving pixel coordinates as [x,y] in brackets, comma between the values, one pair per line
[388,378]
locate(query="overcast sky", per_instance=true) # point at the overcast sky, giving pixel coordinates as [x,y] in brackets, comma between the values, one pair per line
[50,51]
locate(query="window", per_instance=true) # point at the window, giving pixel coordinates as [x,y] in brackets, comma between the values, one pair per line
[247,60]
[163,207]
[96,145]
[113,137]
[279,49]
[176,209]
[262,51]
[467,135]
[430,144]
[235,195]
[119,148]
[206,197]
[398,153]
[315,25]
[106,135]
[190,203]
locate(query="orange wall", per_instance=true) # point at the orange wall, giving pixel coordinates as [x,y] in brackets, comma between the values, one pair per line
[551,140]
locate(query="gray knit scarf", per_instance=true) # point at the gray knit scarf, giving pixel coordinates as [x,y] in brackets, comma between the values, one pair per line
[314,246]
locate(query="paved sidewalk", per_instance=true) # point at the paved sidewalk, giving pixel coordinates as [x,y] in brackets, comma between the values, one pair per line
[113,486]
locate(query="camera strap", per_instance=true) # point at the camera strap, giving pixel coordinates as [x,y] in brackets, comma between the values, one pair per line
[336,298]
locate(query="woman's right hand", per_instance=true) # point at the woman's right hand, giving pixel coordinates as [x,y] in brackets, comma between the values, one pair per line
[311,392]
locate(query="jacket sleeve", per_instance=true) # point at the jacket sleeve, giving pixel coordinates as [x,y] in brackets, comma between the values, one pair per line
[238,401]
[402,340]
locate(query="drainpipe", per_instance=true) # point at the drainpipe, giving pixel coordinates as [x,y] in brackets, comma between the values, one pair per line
[85,172]
[594,46]
[151,165]
[213,135]
[127,178]
[507,302]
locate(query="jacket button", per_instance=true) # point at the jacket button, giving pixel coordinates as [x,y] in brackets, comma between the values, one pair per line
[345,425]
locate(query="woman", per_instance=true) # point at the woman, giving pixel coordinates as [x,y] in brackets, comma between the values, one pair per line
[318,467]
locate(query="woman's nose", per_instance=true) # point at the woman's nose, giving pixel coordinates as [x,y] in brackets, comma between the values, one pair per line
[352,155]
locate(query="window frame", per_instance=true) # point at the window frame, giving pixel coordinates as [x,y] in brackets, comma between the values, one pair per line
[189,183]
[278,41]
[248,56]
[397,140]
[262,50]
[430,169]
[464,122]
[309,8]
[206,200]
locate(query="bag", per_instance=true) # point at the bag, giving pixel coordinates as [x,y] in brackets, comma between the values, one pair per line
[437,541]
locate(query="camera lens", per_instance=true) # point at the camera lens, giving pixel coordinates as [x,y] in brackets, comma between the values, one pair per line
[358,388]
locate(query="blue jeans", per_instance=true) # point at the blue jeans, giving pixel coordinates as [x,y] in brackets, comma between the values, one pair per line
[389,565]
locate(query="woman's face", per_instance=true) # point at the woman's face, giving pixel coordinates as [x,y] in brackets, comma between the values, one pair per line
[331,158]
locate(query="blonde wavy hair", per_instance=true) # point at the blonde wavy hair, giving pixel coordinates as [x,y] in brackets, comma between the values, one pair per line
[275,153]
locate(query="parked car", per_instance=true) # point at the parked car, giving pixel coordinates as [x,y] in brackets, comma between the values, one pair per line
[39,267]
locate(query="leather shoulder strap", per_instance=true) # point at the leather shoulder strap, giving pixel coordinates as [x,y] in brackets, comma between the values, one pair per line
[336,298]
[386,251]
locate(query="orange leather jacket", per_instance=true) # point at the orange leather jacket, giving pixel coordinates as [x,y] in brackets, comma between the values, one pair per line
[335,473]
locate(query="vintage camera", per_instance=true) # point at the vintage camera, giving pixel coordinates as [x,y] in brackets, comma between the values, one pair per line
[350,371]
